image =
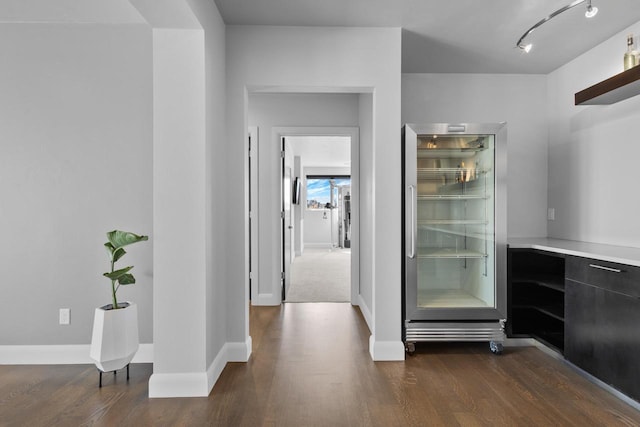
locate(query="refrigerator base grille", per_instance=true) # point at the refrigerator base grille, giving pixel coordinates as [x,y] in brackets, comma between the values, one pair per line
[462,331]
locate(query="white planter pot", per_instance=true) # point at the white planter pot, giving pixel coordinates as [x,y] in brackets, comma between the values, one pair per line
[115,337]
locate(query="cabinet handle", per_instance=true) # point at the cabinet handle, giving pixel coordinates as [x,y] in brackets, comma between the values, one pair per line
[414,231]
[602,267]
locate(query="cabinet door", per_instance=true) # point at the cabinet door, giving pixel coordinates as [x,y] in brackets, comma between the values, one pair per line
[602,335]
[624,279]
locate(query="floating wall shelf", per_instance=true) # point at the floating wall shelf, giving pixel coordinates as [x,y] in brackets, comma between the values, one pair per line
[614,89]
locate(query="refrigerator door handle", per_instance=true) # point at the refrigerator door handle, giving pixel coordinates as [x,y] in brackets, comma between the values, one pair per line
[414,228]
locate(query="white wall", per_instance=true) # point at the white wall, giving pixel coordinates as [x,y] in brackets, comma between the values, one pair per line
[593,152]
[520,100]
[75,162]
[315,59]
[319,229]
[269,111]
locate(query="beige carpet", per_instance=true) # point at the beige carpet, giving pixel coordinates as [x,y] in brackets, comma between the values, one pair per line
[321,275]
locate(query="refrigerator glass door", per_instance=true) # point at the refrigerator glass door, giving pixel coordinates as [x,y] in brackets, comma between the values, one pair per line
[454,222]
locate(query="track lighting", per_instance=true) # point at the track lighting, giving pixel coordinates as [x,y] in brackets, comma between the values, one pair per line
[590,13]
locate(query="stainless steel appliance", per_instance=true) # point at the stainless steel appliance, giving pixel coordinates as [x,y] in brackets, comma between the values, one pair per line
[454,240]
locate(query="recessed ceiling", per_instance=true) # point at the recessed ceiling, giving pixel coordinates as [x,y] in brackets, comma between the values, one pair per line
[456,36]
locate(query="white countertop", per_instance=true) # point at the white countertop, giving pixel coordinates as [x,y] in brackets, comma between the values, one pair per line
[619,254]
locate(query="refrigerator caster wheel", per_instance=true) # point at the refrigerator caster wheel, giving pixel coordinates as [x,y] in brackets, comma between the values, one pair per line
[496,347]
[410,348]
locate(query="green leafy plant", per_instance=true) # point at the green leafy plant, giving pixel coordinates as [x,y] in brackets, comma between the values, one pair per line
[117,240]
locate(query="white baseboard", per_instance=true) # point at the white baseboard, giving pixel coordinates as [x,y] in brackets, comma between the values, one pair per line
[216,368]
[73,354]
[366,313]
[239,351]
[267,300]
[189,384]
[198,384]
[382,351]
[183,384]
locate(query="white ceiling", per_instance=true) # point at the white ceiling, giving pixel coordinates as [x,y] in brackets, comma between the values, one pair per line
[322,151]
[456,36]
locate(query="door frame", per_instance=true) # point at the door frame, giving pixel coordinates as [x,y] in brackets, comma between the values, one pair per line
[270,284]
[286,226]
[254,253]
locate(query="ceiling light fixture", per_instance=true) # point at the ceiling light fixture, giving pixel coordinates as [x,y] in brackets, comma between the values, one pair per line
[590,13]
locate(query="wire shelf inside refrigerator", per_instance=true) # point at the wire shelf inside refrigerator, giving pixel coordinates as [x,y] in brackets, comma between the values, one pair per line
[426,253]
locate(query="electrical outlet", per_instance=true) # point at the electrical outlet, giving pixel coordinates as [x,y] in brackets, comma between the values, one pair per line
[65,316]
[551,214]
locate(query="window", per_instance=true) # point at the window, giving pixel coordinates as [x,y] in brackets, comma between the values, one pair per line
[319,190]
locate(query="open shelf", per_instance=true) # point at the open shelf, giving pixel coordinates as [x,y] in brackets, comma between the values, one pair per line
[553,281]
[555,311]
[614,89]
[536,294]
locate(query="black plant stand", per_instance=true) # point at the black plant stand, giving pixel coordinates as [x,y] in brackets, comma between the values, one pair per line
[114,374]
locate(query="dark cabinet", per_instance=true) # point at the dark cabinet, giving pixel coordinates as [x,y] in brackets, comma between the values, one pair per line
[602,321]
[536,296]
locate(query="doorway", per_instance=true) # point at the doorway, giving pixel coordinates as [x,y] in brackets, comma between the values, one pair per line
[268,261]
[317,223]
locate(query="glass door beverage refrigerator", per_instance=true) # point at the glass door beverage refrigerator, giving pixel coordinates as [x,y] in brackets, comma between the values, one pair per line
[454,239]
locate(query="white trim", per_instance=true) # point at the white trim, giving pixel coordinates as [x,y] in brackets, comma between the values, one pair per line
[72,354]
[239,351]
[266,299]
[144,354]
[386,350]
[366,313]
[199,384]
[190,384]
[216,367]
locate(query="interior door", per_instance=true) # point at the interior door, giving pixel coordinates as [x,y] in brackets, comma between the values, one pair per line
[287,224]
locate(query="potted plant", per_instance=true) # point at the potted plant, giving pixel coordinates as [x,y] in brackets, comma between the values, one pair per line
[114,341]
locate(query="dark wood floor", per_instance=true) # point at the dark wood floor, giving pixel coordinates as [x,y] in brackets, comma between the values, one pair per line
[310,367]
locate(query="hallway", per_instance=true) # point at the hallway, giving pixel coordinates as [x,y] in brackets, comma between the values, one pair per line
[321,275]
